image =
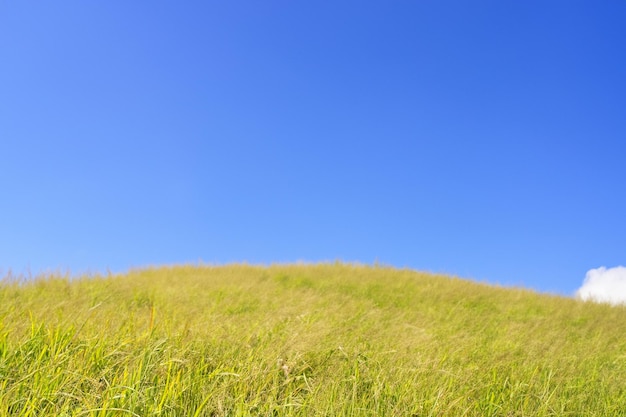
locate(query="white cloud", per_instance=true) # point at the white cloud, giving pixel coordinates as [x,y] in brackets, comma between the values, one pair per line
[604,285]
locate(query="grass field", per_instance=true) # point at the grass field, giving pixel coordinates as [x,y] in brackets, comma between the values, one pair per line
[304,340]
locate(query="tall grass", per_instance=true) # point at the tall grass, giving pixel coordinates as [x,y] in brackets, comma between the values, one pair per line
[304,340]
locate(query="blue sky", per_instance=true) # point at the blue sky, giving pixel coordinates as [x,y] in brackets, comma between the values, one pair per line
[483,139]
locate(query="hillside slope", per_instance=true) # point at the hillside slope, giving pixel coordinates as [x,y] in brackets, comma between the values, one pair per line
[306,340]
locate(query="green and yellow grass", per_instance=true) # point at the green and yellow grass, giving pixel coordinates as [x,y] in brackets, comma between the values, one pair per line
[304,340]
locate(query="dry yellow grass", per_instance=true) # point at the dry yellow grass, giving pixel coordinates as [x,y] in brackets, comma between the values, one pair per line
[305,340]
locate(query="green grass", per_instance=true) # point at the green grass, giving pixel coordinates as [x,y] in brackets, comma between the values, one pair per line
[304,340]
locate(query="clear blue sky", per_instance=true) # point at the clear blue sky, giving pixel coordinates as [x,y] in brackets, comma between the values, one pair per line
[484,139]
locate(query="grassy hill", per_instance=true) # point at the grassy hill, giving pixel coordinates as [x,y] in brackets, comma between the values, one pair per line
[304,340]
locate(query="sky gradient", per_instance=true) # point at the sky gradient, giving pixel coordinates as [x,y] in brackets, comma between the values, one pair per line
[483,139]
